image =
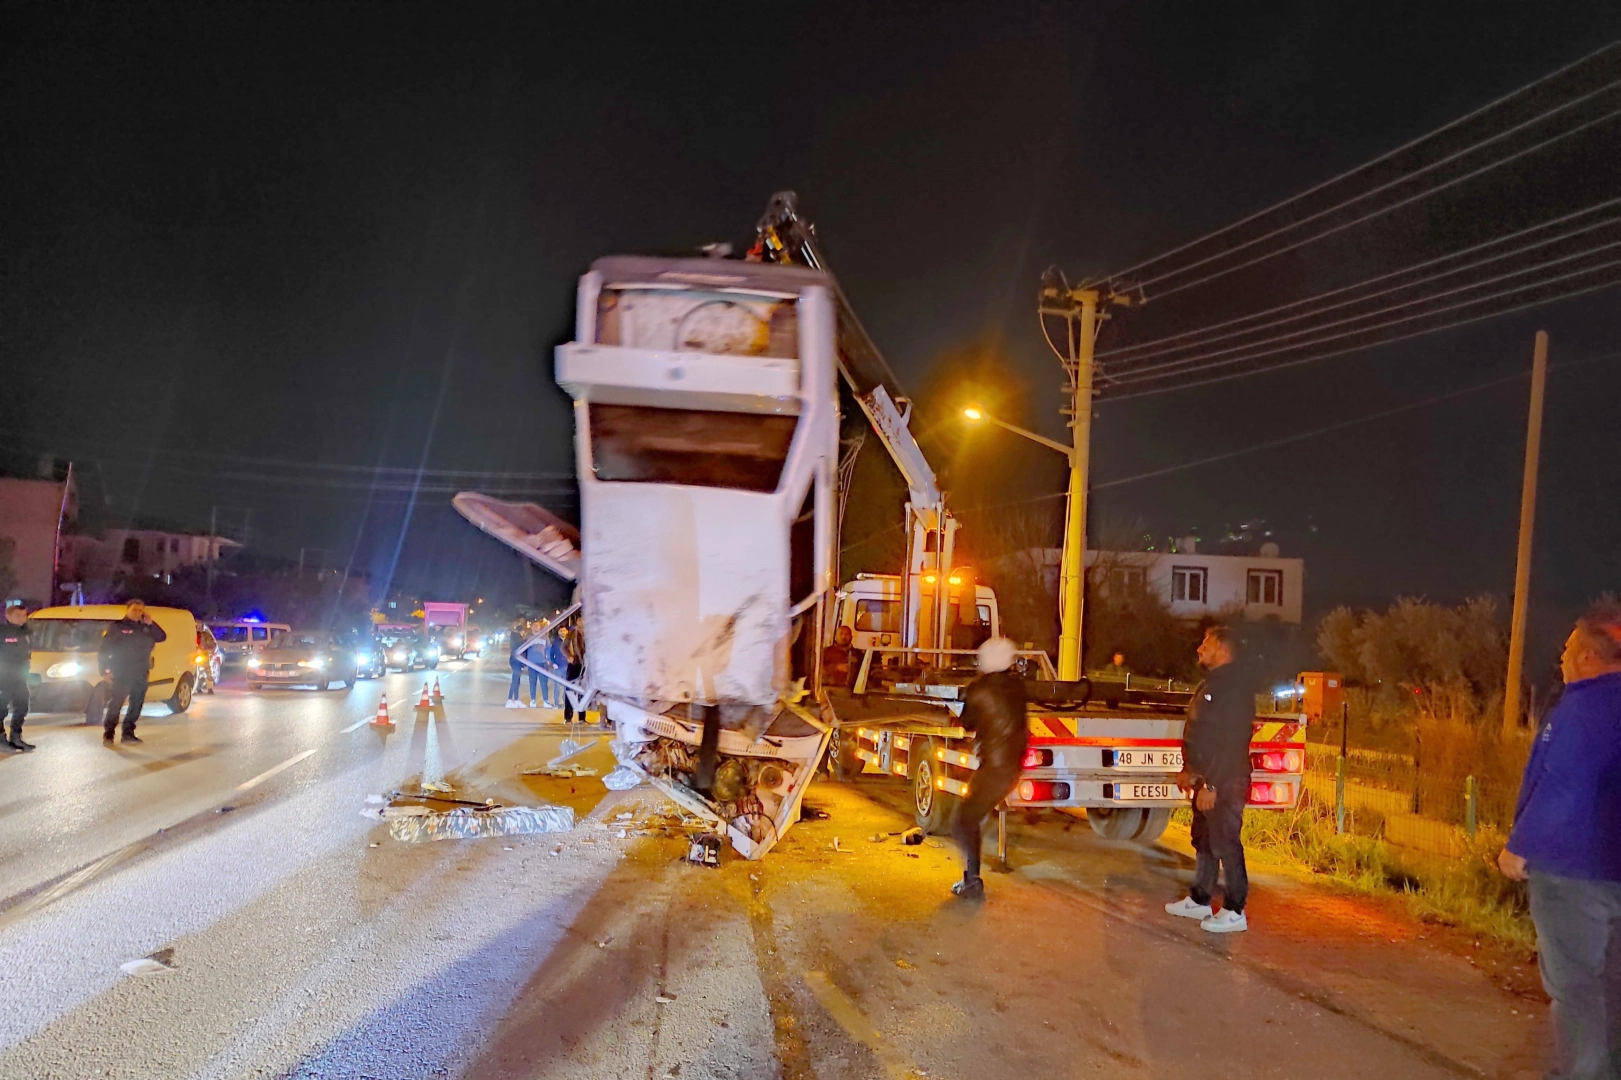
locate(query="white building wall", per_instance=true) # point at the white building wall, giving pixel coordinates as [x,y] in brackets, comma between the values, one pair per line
[1226,579]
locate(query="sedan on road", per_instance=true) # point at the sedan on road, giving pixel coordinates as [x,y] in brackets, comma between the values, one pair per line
[409,652]
[303,658]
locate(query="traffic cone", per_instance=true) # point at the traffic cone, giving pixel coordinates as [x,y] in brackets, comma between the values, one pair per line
[438,698]
[423,702]
[382,720]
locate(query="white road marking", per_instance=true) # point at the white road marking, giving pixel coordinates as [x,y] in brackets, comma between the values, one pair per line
[848,1016]
[268,773]
[358,724]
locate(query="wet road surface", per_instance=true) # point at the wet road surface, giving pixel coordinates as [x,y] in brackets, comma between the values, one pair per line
[305,942]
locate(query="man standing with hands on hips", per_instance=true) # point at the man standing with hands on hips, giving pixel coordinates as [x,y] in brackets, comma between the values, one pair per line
[1216,772]
[1566,842]
[126,664]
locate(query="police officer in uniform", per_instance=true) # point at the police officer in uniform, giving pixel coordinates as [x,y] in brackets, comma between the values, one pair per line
[994,710]
[14,650]
[126,663]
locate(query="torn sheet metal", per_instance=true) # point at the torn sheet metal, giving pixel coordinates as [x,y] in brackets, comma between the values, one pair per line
[759,782]
[466,823]
[533,531]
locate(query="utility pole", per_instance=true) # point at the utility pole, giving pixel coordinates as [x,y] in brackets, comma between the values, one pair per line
[1528,514]
[213,552]
[1080,310]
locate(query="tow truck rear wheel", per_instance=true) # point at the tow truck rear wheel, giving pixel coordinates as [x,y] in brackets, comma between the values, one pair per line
[1143,824]
[841,755]
[932,807]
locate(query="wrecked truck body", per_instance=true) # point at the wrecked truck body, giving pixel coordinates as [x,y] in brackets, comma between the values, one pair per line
[707,440]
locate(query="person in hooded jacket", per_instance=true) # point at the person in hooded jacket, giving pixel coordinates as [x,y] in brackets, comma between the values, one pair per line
[994,710]
[14,656]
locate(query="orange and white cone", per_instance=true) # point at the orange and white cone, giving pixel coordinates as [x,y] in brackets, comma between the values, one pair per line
[438,698]
[422,703]
[382,720]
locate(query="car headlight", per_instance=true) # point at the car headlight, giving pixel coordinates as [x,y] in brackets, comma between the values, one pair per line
[254,661]
[433,650]
[362,657]
[399,654]
[67,669]
[317,663]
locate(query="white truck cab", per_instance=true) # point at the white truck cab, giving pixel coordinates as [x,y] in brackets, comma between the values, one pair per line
[870,605]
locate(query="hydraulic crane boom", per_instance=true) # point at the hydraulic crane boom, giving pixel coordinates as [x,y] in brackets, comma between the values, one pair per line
[783,236]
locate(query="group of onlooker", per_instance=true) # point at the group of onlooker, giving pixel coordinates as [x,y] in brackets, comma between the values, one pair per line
[552,662]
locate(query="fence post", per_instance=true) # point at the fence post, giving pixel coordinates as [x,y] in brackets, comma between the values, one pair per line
[1471,795]
[1339,796]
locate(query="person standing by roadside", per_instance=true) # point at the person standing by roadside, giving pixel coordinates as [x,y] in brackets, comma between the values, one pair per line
[515,639]
[994,710]
[1566,842]
[574,656]
[14,656]
[1216,772]
[126,663]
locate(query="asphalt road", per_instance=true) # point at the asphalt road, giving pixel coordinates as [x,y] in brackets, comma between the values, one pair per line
[305,942]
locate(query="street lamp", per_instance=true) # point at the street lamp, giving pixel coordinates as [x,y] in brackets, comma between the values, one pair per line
[1073,563]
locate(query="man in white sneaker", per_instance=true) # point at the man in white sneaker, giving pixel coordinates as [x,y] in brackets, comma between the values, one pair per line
[1216,772]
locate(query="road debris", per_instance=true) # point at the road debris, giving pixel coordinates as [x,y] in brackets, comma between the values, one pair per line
[623,778]
[151,964]
[567,772]
[705,850]
[665,999]
[467,823]
[904,964]
[912,837]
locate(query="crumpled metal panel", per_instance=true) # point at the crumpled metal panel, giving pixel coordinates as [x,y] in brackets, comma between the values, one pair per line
[467,823]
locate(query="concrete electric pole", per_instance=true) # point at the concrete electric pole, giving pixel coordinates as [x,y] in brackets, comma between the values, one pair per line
[1528,515]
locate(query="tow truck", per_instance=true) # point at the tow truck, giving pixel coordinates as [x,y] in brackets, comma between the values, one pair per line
[708,409]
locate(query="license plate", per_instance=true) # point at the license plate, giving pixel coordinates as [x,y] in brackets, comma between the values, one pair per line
[1144,792]
[1148,759]
[282,674]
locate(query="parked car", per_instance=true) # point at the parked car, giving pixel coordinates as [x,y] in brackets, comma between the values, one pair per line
[65,673]
[303,658]
[476,639]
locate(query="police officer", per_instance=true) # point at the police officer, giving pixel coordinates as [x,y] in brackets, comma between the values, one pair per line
[126,663]
[994,710]
[14,650]
[1216,773]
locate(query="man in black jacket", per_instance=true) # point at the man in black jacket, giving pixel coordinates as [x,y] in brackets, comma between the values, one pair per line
[1216,771]
[994,710]
[126,663]
[14,656]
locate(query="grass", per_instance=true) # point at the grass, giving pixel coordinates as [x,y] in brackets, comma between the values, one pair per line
[1466,892]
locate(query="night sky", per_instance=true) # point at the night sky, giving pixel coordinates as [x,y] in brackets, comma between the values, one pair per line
[240,237]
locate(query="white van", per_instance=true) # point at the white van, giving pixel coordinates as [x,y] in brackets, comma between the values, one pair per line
[239,637]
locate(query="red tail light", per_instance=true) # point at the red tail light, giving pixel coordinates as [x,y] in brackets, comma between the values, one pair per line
[1271,793]
[1037,791]
[1037,758]
[1284,761]
[1293,760]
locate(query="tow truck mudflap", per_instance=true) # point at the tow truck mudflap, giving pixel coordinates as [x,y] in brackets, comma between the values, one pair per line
[798,755]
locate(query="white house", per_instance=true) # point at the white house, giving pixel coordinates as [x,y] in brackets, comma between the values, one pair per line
[1260,586]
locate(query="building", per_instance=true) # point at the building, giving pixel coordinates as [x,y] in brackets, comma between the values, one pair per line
[34,512]
[100,563]
[1196,585]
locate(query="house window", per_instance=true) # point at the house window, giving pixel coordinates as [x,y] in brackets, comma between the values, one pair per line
[132,549]
[1123,581]
[1265,587]
[174,544]
[1190,583]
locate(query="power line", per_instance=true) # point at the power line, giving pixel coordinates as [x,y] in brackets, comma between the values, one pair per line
[1364,346]
[1198,362]
[1199,331]
[1472,174]
[1386,156]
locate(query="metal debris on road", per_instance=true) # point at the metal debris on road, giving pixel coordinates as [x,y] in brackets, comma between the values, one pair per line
[705,850]
[623,778]
[566,772]
[912,837]
[468,823]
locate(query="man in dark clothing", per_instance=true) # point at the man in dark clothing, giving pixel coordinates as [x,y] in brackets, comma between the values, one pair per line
[1216,771]
[1567,841]
[994,710]
[126,664]
[14,655]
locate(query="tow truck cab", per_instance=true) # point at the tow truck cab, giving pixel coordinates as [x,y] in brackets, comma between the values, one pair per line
[871,606]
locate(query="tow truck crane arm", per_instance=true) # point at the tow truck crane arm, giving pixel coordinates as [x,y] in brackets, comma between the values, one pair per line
[783,236]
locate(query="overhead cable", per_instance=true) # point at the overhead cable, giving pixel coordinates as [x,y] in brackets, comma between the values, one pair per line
[1386,156]
[1362,347]
[1200,331]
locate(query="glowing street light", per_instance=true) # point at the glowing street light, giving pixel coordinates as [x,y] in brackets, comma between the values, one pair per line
[973,413]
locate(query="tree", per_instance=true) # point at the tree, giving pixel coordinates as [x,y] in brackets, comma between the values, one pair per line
[1454,657]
